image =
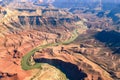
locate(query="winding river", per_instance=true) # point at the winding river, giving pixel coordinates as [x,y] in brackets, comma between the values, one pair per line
[26,60]
[26,63]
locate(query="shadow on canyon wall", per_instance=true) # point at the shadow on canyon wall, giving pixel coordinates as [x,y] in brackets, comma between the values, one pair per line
[111,39]
[72,72]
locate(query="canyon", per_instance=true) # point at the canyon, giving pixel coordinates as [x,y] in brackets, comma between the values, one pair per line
[40,40]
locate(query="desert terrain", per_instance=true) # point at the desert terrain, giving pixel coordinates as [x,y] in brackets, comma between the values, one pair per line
[43,40]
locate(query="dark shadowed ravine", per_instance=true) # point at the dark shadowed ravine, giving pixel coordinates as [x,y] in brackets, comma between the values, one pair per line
[72,71]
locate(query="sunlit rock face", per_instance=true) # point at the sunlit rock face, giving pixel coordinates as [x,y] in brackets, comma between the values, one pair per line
[27,24]
[34,18]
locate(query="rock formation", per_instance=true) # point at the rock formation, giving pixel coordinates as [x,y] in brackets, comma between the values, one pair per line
[27,24]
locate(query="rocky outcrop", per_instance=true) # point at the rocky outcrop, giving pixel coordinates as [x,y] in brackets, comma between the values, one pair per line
[26,26]
[35,18]
[8,76]
[107,56]
[64,59]
[41,21]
